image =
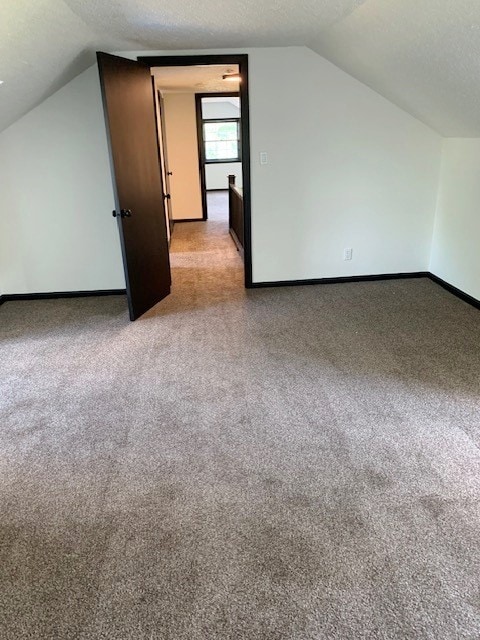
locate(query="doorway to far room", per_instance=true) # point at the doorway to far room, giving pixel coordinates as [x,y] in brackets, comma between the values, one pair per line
[199,124]
[153,112]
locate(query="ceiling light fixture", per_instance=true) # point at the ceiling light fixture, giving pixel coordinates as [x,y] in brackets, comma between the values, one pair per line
[232,77]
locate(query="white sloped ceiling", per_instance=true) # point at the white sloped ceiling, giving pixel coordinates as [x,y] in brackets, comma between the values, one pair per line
[43,45]
[422,55]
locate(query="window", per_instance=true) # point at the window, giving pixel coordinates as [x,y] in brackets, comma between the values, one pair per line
[221,140]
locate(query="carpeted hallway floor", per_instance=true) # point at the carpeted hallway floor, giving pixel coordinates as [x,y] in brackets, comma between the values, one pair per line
[278,464]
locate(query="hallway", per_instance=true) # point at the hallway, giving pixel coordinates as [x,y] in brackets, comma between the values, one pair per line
[206,266]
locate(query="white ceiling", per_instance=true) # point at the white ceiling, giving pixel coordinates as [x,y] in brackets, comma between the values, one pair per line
[421,54]
[199,79]
[43,45]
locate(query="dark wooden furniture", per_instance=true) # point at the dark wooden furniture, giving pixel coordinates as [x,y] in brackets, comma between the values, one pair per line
[236,213]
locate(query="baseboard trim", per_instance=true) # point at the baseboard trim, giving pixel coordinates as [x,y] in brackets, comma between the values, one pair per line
[189,220]
[384,276]
[456,292]
[340,280]
[12,297]
[53,295]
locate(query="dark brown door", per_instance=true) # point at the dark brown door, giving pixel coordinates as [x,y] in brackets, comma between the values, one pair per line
[139,207]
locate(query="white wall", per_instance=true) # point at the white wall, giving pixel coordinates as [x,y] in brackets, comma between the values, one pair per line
[346,169]
[216,174]
[57,232]
[182,149]
[456,240]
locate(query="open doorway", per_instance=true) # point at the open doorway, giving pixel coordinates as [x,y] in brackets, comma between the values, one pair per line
[218,84]
[201,145]
[186,181]
[219,126]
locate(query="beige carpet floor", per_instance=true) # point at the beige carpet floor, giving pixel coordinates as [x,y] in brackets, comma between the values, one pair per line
[279,464]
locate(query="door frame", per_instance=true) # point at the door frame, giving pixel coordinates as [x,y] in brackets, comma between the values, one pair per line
[163,155]
[201,148]
[242,61]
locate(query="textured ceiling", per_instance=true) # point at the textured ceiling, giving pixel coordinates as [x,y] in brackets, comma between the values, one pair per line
[421,54]
[199,79]
[183,24]
[43,45]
